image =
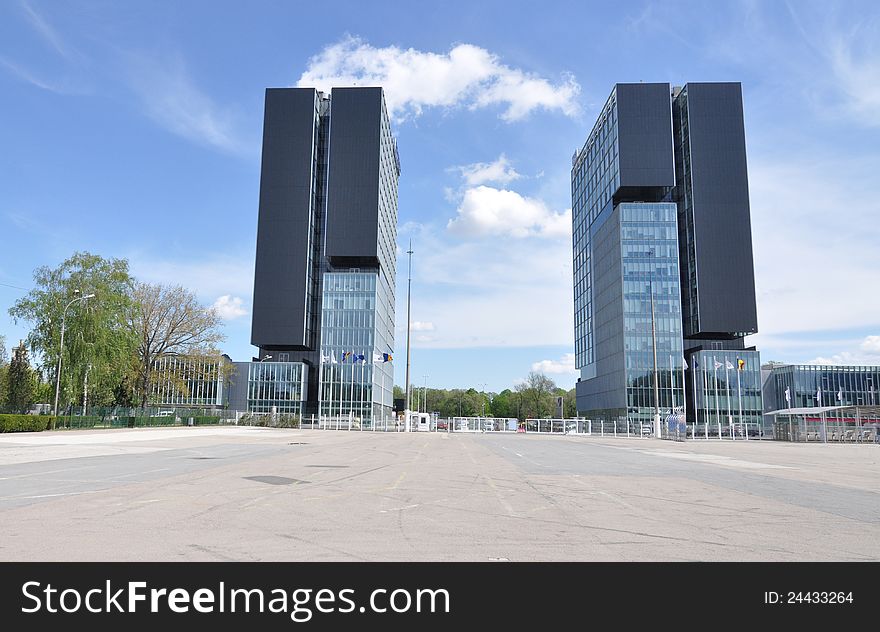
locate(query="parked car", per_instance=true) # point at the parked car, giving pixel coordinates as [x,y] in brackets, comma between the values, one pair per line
[442,425]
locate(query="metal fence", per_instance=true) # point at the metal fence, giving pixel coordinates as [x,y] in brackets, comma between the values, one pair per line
[827,431]
[152,416]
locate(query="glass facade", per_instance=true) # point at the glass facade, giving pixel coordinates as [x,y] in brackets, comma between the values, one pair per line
[856,385]
[594,178]
[178,381]
[728,400]
[357,376]
[649,249]
[278,387]
[685,197]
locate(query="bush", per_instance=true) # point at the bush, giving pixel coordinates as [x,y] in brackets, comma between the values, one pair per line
[24,423]
[204,420]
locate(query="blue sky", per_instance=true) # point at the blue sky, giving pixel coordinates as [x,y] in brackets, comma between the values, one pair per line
[133,130]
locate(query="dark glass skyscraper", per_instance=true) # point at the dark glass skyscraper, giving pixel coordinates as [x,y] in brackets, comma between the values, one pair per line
[326,240]
[663,256]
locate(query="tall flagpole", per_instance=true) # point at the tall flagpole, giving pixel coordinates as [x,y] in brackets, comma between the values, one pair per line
[408,293]
[684,397]
[706,397]
[656,385]
[332,378]
[739,396]
[320,385]
[351,394]
[715,379]
[694,365]
[727,385]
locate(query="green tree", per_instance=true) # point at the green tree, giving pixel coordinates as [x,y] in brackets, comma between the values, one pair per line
[169,321]
[537,395]
[20,381]
[4,369]
[570,402]
[96,334]
[504,404]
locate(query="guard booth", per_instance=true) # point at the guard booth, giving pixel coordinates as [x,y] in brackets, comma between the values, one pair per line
[418,422]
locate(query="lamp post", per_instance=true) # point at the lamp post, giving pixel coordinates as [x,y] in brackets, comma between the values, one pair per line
[408,335]
[61,350]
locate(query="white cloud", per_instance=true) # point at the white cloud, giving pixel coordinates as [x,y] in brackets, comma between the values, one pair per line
[465,76]
[170,97]
[499,172]
[856,71]
[420,326]
[48,33]
[866,353]
[489,211]
[489,292]
[871,345]
[564,365]
[23,73]
[229,307]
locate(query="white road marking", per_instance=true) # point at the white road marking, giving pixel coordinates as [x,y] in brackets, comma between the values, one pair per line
[399,508]
[50,495]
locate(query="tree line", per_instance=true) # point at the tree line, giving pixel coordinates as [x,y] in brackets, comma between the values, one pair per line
[533,398]
[115,329]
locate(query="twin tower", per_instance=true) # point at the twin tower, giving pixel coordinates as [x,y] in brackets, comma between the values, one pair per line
[664,290]
[664,284]
[323,309]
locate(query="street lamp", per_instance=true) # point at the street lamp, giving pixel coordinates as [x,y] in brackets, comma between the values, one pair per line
[264,358]
[61,349]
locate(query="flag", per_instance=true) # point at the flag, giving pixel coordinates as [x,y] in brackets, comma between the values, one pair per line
[684,363]
[718,365]
[379,357]
[388,357]
[346,355]
[359,358]
[740,364]
[787,395]
[333,359]
[819,396]
[728,365]
[840,395]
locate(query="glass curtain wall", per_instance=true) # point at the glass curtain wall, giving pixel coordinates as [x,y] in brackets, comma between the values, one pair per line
[649,249]
[855,385]
[356,372]
[728,402]
[276,387]
[180,381]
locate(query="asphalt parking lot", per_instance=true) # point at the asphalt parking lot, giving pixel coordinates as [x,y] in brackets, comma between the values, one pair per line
[252,494]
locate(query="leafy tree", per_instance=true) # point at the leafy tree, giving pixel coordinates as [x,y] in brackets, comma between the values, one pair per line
[20,381]
[169,321]
[4,370]
[570,403]
[537,395]
[504,404]
[96,334]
